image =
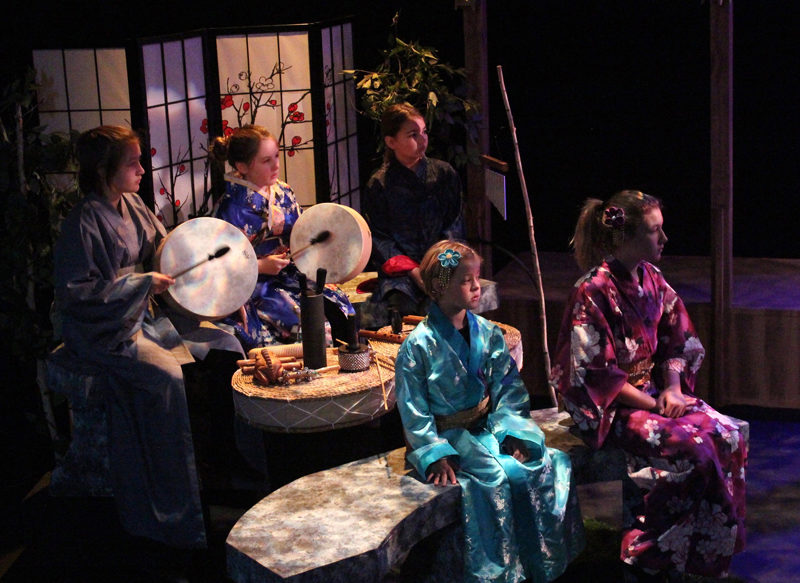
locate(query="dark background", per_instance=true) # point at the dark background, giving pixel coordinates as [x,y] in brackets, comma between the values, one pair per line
[605,95]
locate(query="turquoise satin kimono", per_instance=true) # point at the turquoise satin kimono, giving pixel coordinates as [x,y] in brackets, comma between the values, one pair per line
[520,520]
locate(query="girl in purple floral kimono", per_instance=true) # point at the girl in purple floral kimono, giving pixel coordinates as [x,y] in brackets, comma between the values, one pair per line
[265,209]
[625,366]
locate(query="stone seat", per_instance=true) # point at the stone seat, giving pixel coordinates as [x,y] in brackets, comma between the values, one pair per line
[349,523]
[355,522]
[84,470]
[359,521]
[605,489]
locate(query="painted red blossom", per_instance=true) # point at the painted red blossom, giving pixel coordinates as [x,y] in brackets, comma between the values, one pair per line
[227,102]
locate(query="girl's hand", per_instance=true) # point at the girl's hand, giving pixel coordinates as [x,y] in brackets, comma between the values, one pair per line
[671,402]
[243,318]
[441,471]
[272,264]
[516,449]
[161,282]
[415,276]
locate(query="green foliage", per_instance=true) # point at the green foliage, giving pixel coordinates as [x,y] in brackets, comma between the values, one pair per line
[32,204]
[413,73]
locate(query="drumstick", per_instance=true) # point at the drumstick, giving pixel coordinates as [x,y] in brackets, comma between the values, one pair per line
[217,254]
[321,237]
[380,377]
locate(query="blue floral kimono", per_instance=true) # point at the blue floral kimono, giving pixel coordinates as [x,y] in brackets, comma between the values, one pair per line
[520,520]
[273,310]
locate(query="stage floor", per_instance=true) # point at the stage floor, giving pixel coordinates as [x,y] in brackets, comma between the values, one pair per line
[761,358]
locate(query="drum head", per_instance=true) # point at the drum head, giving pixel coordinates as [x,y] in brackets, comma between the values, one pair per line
[344,253]
[218,287]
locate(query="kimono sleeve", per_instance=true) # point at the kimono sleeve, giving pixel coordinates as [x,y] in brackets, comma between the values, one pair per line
[586,372]
[510,413]
[241,216]
[376,212]
[425,444]
[101,309]
[679,348]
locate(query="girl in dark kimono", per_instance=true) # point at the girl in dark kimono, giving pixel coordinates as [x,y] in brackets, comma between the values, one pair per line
[410,203]
[625,365]
[104,286]
[265,209]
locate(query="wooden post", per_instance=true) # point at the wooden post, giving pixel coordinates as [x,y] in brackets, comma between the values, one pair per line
[721,45]
[477,215]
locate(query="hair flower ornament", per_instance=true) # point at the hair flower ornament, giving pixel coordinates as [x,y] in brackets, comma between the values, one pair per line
[449,258]
[614,217]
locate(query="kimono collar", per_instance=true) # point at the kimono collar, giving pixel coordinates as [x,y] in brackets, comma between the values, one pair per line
[420,171]
[621,273]
[241,182]
[469,355]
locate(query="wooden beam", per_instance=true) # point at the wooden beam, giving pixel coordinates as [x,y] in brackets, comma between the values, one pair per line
[477,216]
[721,45]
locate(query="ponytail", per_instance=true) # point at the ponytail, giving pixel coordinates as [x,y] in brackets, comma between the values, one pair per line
[603,226]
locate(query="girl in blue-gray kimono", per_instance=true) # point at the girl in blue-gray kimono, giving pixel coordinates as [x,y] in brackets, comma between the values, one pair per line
[466,417]
[265,209]
[105,289]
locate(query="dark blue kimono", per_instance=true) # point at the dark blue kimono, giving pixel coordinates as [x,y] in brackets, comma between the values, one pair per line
[408,212]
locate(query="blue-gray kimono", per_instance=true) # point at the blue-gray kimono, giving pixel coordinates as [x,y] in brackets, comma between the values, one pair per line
[109,321]
[520,521]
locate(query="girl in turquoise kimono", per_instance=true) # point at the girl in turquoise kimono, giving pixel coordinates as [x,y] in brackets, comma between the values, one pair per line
[466,416]
[265,209]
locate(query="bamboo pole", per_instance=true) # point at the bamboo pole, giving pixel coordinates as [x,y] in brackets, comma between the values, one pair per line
[536,270]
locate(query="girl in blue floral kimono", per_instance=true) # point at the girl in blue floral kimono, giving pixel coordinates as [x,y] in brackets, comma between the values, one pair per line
[466,416]
[626,362]
[265,209]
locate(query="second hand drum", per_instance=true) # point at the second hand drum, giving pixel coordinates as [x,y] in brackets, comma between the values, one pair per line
[210,283]
[344,242]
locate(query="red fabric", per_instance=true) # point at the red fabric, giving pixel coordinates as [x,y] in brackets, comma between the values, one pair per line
[398,265]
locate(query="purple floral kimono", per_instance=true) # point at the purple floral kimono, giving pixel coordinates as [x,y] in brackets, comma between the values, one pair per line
[616,330]
[273,310]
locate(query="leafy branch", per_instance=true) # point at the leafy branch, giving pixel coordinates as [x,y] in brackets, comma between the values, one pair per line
[414,73]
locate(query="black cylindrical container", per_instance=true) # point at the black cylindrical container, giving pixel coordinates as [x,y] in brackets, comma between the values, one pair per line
[312,327]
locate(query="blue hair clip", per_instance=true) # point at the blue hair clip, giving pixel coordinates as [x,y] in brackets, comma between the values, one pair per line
[449,258]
